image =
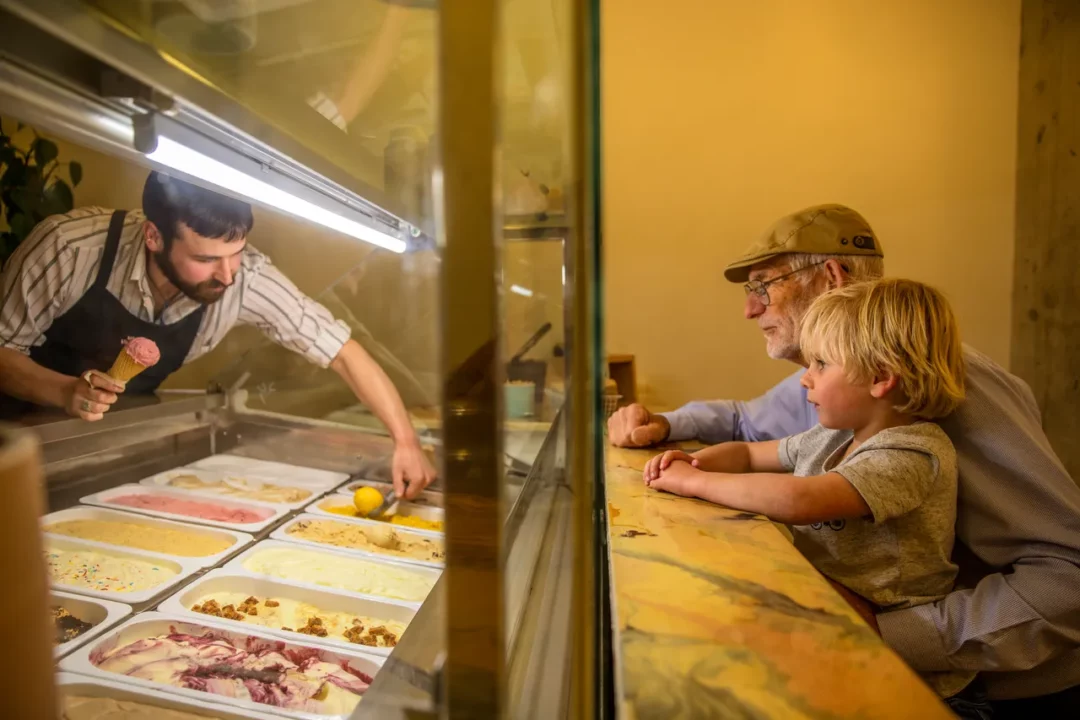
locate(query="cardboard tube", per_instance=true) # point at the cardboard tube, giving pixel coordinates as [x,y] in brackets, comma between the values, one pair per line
[26,666]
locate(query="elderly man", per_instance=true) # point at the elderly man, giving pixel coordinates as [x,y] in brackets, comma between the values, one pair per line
[1015,615]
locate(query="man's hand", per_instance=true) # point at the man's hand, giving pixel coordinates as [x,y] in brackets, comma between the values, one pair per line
[859,604]
[659,463]
[680,478]
[411,470]
[634,427]
[90,403]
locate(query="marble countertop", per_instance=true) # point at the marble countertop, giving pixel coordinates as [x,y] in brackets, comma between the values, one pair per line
[717,615]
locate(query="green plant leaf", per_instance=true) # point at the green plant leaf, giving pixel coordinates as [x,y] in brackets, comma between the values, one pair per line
[75,170]
[45,151]
[21,225]
[58,199]
[26,200]
[15,173]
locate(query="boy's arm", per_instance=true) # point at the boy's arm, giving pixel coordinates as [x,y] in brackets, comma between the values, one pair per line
[740,457]
[784,498]
[730,457]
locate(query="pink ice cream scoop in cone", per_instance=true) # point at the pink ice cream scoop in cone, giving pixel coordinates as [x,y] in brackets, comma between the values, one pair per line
[138,354]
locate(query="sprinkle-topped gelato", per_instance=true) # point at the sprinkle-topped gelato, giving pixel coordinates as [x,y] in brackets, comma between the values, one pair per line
[142,350]
[91,570]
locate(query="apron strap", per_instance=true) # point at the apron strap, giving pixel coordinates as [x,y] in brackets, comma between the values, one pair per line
[112,243]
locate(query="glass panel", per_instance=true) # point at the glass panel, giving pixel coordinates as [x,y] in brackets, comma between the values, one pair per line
[350,80]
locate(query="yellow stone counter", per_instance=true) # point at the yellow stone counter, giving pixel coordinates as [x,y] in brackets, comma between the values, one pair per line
[717,615]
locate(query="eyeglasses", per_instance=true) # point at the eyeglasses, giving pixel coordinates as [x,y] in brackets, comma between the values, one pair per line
[761,289]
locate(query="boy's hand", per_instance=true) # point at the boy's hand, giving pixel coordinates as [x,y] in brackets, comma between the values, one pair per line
[660,462]
[679,478]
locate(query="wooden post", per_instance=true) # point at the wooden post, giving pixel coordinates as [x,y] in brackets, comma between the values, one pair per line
[1046,293]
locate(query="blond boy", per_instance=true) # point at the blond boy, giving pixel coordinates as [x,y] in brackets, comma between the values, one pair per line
[872,498]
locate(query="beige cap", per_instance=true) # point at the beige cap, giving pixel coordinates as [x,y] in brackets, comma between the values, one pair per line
[818,230]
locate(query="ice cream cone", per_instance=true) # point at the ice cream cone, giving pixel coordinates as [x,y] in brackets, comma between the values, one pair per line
[124,368]
[136,355]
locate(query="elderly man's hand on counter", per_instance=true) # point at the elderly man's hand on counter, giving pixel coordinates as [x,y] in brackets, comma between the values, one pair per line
[634,426]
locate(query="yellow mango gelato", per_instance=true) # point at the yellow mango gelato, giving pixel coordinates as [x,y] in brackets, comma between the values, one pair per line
[153,538]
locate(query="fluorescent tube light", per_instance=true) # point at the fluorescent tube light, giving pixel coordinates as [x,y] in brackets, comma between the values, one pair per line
[526,292]
[179,155]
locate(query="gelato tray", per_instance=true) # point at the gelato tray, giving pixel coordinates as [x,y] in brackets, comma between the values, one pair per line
[234,486]
[246,669]
[189,507]
[368,538]
[432,498]
[403,513]
[273,471]
[336,569]
[190,543]
[79,619]
[95,698]
[296,612]
[109,572]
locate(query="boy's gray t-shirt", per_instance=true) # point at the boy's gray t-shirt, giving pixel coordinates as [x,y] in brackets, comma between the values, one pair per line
[900,555]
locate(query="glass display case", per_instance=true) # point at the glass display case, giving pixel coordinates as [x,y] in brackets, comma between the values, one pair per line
[434,163]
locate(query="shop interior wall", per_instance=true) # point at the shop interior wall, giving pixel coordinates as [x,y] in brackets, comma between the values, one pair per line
[719,117]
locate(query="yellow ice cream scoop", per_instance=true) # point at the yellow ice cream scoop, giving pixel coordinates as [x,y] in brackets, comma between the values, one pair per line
[366,499]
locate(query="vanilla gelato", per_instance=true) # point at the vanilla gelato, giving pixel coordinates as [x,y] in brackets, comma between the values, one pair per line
[344,573]
[239,487]
[154,538]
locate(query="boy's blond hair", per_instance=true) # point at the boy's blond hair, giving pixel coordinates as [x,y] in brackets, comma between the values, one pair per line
[897,327]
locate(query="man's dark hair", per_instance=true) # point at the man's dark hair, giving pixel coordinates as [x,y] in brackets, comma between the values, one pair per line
[168,201]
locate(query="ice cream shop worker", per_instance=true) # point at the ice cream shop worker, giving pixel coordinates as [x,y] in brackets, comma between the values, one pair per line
[94,285]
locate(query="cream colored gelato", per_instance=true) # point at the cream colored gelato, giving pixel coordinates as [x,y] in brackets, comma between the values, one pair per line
[379,540]
[94,570]
[154,538]
[82,707]
[352,574]
[239,487]
[286,614]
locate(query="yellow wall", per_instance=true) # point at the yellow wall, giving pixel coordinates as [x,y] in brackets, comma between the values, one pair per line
[718,117]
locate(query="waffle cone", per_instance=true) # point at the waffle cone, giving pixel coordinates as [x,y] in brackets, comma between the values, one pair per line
[124,367]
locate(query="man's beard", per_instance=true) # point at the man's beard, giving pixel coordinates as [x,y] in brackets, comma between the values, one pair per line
[788,347]
[207,292]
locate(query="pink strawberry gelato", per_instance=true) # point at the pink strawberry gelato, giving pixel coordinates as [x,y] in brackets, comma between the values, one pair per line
[192,508]
[142,350]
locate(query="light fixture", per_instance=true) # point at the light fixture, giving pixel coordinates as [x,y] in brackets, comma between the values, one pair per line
[170,144]
[523,291]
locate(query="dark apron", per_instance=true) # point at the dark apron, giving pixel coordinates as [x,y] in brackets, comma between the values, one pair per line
[90,335]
